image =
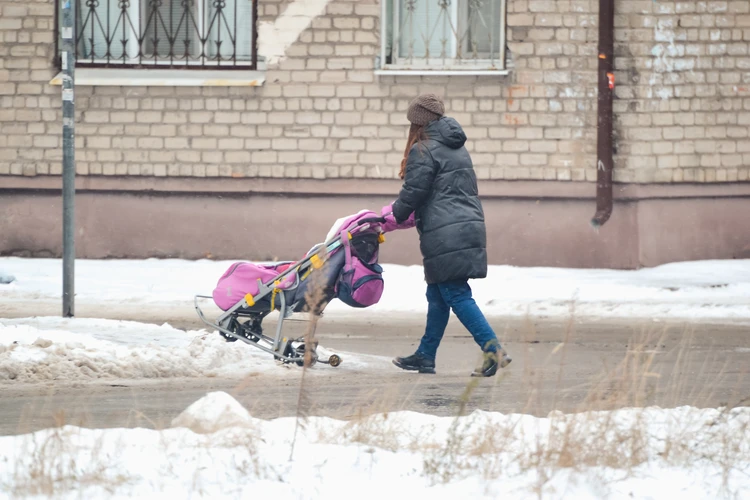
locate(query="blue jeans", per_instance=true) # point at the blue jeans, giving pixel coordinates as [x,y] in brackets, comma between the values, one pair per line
[456,295]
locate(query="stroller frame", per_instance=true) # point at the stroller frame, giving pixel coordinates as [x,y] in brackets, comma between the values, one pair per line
[280,347]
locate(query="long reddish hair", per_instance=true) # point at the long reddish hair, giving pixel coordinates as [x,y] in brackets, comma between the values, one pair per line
[416,136]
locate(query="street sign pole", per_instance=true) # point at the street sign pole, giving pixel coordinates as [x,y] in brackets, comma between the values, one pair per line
[68,61]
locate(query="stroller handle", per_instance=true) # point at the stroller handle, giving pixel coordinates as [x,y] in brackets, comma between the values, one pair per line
[376,220]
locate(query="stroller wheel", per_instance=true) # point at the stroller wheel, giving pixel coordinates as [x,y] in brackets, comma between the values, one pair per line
[232,327]
[300,352]
[334,360]
[227,337]
[250,330]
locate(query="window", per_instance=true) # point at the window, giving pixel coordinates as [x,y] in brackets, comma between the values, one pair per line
[434,36]
[195,34]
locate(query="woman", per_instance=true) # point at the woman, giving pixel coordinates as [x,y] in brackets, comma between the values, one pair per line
[440,192]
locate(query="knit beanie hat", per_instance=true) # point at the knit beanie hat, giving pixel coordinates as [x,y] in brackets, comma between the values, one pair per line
[424,109]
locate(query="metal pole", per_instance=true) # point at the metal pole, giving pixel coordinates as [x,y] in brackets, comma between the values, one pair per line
[605,159]
[68,63]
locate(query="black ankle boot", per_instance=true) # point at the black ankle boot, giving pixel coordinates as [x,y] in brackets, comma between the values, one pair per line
[415,362]
[492,361]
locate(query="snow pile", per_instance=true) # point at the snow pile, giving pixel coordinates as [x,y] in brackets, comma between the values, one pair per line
[215,411]
[70,350]
[715,290]
[6,279]
[31,355]
[631,453]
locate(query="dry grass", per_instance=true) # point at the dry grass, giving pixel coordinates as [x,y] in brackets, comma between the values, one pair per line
[314,298]
[66,459]
[609,428]
[52,463]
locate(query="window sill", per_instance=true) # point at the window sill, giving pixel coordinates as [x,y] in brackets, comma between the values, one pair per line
[165,78]
[442,72]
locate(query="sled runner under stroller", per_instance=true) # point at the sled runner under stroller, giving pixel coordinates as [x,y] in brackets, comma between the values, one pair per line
[344,267]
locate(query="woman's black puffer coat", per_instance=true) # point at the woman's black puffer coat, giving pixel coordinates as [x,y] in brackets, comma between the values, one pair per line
[440,187]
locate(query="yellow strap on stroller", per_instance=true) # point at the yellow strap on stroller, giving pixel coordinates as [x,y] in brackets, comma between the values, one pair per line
[249,299]
[273,294]
[316,261]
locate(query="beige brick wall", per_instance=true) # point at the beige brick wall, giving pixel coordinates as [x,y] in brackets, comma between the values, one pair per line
[682,101]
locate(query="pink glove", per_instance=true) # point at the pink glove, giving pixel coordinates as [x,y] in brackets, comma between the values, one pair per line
[390,221]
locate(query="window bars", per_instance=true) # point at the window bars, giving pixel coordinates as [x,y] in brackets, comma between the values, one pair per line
[444,35]
[195,34]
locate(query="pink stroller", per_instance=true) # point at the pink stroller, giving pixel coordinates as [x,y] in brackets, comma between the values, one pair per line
[345,266]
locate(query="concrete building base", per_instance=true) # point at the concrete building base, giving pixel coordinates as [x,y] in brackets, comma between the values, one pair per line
[528,223]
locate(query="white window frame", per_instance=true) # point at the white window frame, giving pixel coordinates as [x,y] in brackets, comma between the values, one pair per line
[438,66]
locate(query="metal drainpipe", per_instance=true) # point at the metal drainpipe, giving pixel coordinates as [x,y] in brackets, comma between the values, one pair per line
[605,160]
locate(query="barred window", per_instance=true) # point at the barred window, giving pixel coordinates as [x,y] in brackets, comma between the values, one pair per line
[215,34]
[443,36]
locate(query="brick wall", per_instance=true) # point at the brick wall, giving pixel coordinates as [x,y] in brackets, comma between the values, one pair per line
[682,107]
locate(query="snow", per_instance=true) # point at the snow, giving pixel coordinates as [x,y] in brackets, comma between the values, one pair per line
[42,349]
[715,290]
[6,279]
[212,413]
[75,350]
[655,453]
